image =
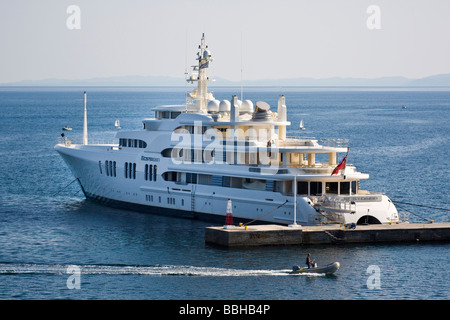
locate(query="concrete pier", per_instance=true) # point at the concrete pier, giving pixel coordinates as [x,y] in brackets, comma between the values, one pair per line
[260,235]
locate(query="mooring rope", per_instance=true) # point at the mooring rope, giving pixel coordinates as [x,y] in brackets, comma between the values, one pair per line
[65,187]
[426,219]
[266,213]
[420,205]
[332,236]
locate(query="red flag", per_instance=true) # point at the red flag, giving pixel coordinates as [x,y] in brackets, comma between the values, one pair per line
[341,165]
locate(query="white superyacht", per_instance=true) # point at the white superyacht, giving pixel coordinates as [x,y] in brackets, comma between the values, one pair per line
[190,159]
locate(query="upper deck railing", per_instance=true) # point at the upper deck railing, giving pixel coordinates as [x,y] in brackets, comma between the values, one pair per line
[326,142]
[93,141]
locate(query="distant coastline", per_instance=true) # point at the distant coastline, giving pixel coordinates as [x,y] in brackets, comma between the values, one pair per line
[440,80]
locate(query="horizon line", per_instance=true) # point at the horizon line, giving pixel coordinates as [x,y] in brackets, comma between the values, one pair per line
[125,80]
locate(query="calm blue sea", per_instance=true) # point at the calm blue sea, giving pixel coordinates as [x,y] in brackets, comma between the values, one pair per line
[128,255]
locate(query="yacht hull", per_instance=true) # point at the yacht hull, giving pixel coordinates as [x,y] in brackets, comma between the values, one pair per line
[204,202]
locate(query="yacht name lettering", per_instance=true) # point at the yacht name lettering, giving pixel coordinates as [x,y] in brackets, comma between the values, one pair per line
[366,198]
[143,158]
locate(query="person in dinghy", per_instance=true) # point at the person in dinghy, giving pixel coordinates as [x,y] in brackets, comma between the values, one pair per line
[310,263]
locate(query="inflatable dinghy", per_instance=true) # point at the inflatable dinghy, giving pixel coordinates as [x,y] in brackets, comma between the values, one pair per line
[328,269]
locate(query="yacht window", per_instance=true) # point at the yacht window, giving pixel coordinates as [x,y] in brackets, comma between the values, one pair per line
[130,170]
[315,188]
[354,187]
[132,143]
[269,185]
[100,167]
[226,182]
[174,115]
[191,177]
[302,187]
[345,188]
[170,176]
[331,187]
[165,114]
[148,172]
[167,153]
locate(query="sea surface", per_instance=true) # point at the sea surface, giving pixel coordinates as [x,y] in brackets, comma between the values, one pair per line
[54,244]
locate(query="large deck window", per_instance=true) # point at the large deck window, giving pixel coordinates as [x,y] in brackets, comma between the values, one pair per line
[315,188]
[331,187]
[302,187]
[132,143]
[167,114]
[345,188]
[355,185]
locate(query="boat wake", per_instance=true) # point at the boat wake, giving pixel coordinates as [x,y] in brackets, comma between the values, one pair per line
[156,270]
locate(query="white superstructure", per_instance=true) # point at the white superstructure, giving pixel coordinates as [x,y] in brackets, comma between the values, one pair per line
[190,159]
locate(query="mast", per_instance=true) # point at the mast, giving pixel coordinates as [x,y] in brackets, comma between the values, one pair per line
[203,64]
[201,95]
[85,135]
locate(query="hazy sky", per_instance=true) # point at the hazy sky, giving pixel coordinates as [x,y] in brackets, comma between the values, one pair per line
[280,38]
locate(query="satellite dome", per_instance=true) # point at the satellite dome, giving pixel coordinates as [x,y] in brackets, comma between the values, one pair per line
[206,54]
[224,106]
[213,106]
[246,106]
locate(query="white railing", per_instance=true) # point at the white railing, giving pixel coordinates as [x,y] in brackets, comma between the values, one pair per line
[326,142]
[335,203]
[95,141]
[403,216]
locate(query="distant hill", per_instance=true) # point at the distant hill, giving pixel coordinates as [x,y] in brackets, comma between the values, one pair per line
[440,80]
